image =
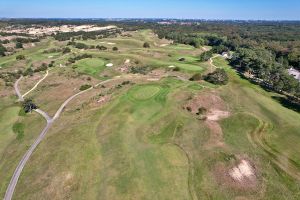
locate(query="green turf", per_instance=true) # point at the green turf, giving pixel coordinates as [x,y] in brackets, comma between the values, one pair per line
[90,66]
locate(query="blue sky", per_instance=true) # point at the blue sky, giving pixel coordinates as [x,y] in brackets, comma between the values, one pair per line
[193,9]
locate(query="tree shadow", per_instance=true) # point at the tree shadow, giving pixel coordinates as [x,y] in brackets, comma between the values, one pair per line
[288,103]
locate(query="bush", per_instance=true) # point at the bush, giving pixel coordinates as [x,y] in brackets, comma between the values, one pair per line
[28,106]
[181,59]
[101,48]
[28,72]
[176,69]
[205,56]
[20,57]
[81,46]
[218,77]
[115,49]
[66,50]
[139,70]
[43,67]
[19,45]
[51,64]
[80,57]
[84,87]
[146,45]
[196,77]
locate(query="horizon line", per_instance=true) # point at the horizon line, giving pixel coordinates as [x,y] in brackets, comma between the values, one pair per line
[152,18]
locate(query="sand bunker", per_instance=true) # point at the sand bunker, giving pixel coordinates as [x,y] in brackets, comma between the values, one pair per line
[164,45]
[243,172]
[216,115]
[109,65]
[171,66]
[109,43]
[127,61]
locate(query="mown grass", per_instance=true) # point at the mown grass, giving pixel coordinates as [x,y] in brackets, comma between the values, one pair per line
[90,66]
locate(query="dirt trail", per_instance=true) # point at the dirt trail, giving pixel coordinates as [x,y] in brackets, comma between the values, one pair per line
[35,86]
[20,97]
[211,62]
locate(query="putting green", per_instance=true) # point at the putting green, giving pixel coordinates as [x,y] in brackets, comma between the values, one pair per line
[90,66]
[144,92]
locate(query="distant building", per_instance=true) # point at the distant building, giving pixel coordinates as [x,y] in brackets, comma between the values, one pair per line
[295,73]
[226,55]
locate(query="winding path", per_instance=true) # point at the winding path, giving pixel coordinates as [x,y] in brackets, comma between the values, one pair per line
[25,158]
[20,97]
[35,86]
[211,62]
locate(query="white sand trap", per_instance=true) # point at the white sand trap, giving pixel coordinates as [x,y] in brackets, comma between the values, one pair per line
[109,43]
[164,45]
[127,61]
[243,170]
[50,56]
[153,79]
[171,66]
[109,65]
[215,115]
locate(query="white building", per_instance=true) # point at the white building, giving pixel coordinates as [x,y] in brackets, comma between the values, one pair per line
[295,73]
[226,55]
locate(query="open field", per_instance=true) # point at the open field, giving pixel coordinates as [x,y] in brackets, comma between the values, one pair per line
[141,136]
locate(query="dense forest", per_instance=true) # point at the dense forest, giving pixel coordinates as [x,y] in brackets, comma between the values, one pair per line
[262,51]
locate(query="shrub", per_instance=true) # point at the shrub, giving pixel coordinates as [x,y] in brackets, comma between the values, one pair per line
[140,70]
[181,59]
[19,45]
[84,87]
[115,49]
[51,64]
[218,77]
[81,46]
[146,45]
[101,48]
[20,57]
[28,106]
[176,69]
[66,50]
[196,77]
[43,67]
[28,72]
[205,56]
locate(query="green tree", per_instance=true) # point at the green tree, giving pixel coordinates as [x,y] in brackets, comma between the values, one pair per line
[218,77]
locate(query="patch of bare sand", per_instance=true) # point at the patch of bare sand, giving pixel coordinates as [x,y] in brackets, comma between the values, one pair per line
[241,176]
[216,115]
